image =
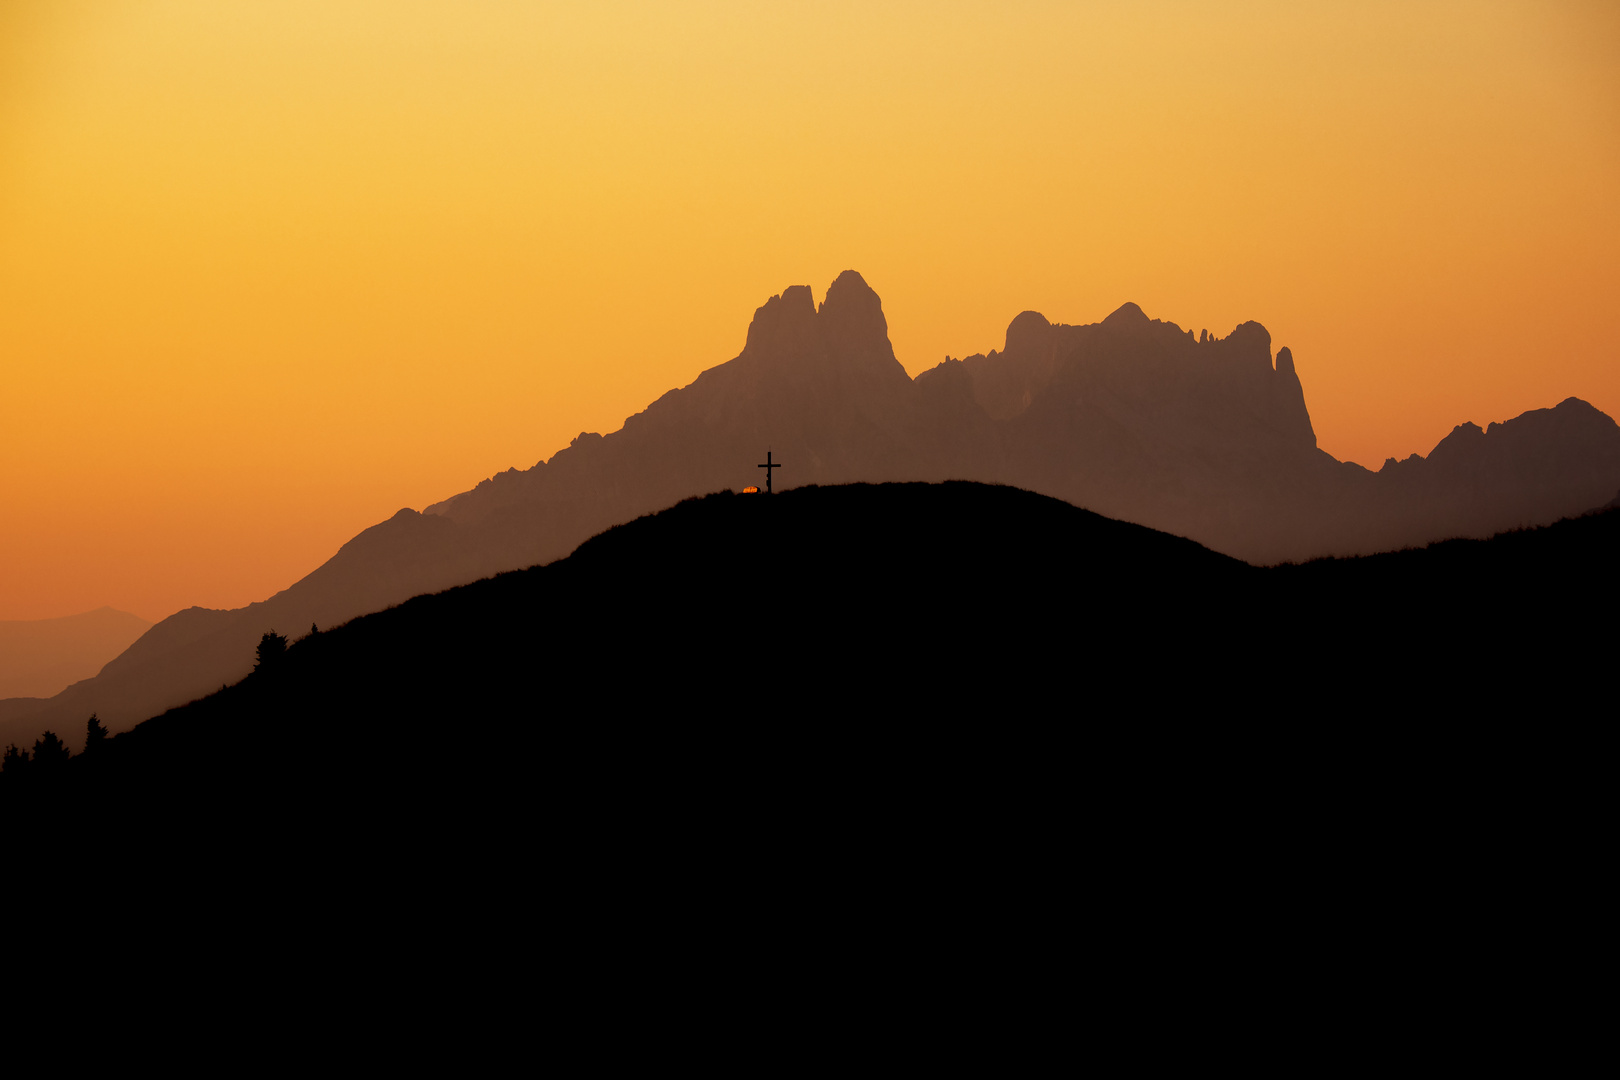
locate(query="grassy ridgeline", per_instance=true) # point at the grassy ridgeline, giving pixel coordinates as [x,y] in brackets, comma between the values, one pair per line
[828,647]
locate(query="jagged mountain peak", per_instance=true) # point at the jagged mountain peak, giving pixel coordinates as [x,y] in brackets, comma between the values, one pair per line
[1132,417]
[1570,414]
[1572,422]
[784,323]
[1127,315]
[852,316]
[850,289]
[1029,332]
[849,323]
[1249,341]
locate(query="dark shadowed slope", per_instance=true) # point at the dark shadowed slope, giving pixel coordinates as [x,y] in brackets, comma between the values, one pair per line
[40,657]
[197,650]
[1132,417]
[805,615]
[744,640]
[847,716]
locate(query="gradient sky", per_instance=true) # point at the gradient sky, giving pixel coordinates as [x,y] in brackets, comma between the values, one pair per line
[270,271]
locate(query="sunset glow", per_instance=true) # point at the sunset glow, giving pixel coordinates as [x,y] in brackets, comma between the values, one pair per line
[271,271]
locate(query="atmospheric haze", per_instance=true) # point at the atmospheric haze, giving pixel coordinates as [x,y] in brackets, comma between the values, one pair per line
[269,272]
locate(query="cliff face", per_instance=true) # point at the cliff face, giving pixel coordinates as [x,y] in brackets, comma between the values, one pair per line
[1134,418]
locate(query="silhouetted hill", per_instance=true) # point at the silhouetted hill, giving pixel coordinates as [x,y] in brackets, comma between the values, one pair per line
[901,671]
[40,657]
[866,708]
[824,623]
[197,650]
[1134,418]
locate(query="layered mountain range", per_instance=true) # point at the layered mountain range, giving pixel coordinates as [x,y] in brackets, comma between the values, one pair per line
[1133,418]
[40,657]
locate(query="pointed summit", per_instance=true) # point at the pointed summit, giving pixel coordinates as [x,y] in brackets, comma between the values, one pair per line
[852,315]
[1128,315]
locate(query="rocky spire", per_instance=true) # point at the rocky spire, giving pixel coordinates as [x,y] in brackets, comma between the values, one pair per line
[784,324]
[852,317]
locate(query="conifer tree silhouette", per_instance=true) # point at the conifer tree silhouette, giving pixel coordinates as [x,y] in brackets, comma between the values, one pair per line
[95,733]
[15,761]
[272,647]
[50,753]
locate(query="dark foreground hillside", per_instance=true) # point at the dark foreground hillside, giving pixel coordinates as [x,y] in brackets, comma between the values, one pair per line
[867,749]
[820,622]
[892,668]
[849,713]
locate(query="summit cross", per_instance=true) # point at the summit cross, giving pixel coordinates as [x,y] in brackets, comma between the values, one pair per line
[769,468]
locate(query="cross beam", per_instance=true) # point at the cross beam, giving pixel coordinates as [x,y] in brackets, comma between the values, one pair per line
[769,467]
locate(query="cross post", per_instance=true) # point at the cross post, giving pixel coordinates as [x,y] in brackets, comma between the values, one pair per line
[769,468]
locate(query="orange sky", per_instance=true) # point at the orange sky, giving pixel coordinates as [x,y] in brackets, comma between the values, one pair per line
[270,271]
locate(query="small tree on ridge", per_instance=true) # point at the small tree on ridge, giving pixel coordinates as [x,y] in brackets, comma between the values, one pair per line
[95,733]
[272,647]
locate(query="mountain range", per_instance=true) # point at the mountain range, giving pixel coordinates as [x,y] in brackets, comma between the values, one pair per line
[40,657]
[1202,437]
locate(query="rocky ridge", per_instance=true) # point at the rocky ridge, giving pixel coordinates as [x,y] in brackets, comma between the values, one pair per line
[1132,417]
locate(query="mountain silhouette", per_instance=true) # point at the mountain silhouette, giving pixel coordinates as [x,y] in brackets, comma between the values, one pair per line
[1200,436]
[1205,437]
[40,657]
[926,633]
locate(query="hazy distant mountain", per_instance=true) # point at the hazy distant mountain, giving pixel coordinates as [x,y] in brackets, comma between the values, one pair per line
[1134,418]
[1209,438]
[41,657]
[1203,437]
[197,650]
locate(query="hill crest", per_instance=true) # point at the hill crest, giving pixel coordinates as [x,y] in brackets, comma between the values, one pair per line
[1132,417]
